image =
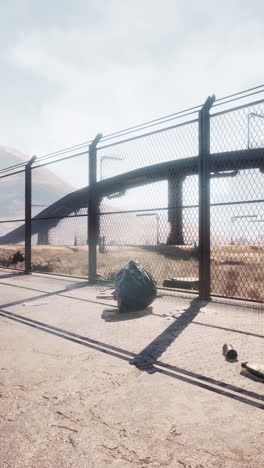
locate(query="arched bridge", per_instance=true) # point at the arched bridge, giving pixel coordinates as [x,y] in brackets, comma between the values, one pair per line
[173,171]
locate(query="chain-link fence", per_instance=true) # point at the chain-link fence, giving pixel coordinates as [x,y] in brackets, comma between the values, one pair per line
[12,217]
[59,227]
[237,204]
[152,219]
[182,194]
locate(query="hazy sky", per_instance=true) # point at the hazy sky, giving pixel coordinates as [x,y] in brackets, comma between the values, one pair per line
[72,68]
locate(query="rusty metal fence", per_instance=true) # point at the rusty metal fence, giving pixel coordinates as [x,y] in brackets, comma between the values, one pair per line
[182,194]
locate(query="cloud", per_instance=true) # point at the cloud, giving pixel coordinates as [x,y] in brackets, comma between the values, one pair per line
[100,65]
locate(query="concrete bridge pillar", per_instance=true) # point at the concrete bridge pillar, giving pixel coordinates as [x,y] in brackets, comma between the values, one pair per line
[98,219]
[175,185]
[43,237]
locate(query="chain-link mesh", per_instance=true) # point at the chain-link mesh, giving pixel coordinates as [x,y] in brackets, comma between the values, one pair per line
[8,249]
[237,205]
[12,219]
[148,204]
[153,220]
[180,141]
[60,245]
[238,129]
[12,192]
[59,220]
[143,236]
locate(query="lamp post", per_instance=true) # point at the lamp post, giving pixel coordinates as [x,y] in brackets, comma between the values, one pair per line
[157,220]
[249,117]
[234,219]
[103,158]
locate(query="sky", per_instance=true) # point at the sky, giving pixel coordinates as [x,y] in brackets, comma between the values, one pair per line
[73,68]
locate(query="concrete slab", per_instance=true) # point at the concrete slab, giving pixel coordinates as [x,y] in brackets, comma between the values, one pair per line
[82,385]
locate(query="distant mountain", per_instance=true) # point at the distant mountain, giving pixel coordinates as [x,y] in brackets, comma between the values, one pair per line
[10,156]
[46,188]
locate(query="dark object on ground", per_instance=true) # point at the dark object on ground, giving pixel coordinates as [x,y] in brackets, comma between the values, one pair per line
[135,289]
[18,257]
[254,368]
[181,283]
[232,262]
[229,352]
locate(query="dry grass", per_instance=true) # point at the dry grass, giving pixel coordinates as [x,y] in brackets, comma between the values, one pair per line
[236,270]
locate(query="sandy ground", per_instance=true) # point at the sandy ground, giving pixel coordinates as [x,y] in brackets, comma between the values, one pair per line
[236,270]
[83,386]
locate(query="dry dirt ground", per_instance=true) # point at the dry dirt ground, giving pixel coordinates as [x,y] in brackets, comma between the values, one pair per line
[84,386]
[236,270]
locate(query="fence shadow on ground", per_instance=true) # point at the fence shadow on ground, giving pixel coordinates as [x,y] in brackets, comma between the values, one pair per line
[184,375]
[151,353]
[12,275]
[47,294]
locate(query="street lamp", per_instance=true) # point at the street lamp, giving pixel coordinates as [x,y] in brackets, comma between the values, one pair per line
[249,117]
[234,219]
[103,158]
[157,219]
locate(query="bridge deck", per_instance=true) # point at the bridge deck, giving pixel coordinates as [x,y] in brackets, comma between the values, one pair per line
[244,159]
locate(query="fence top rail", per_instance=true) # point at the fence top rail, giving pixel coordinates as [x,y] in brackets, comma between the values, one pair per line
[233,109]
[8,174]
[161,120]
[46,163]
[240,93]
[66,153]
[138,137]
[223,101]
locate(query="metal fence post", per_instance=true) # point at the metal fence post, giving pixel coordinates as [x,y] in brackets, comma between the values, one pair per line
[204,199]
[28,196]
[92,209]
